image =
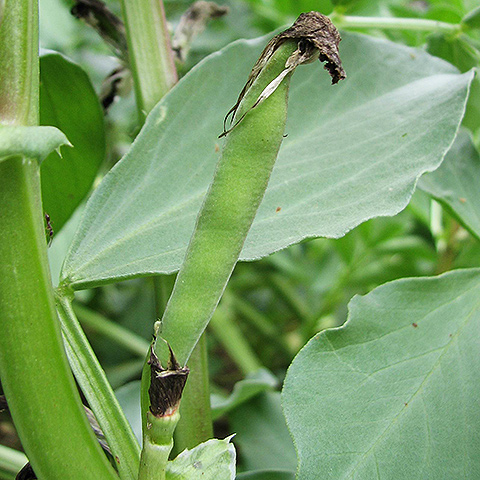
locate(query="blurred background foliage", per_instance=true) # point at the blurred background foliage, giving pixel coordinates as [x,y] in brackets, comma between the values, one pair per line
[272,307]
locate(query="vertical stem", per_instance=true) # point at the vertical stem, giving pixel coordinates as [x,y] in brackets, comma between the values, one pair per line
[162,288]
[19,68]
[36,378]
[150,54]
[157,445]
[195,425]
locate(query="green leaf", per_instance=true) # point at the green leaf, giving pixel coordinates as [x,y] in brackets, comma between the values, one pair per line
[128,397]
[472,19]
[267,475]
[461,51]
[361,144]
[262,435]
[254,384]
[30,142]
[394,393]
[455,183]
[69,102]
[211,460]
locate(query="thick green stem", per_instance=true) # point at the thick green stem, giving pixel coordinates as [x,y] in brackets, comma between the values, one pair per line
[394,23]
[150,55]
[195,424]
[19,68]
[36,377]
[157,445]
[228,211]
[98,392]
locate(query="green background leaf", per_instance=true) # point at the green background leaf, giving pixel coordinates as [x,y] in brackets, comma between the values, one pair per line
[128,397]
[394,393]
[267,475]
[353,151]
[461,51]
[69,102]
[251,386]
[261,434]
[455,183]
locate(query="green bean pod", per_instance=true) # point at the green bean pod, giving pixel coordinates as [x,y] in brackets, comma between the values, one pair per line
[240,181]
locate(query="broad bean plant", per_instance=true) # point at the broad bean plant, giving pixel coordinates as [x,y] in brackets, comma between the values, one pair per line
[239,240]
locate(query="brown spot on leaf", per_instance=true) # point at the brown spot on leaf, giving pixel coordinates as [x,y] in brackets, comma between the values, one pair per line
[217,148]
[414,325]
[463,200]
[278,209]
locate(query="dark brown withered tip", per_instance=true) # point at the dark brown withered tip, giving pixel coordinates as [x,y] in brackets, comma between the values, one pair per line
[316,37]
[317,29]
[166,384]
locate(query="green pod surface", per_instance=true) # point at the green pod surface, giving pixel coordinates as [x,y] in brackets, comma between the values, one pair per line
[229,208]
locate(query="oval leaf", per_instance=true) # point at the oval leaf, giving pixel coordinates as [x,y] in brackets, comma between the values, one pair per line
[211,460]
[354,151]
[69,102]
[394,393]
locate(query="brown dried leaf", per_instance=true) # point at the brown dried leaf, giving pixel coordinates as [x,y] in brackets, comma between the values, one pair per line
[192,23]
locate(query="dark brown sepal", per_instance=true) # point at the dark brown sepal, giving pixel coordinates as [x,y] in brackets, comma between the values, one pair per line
[166,384]
[319,31]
